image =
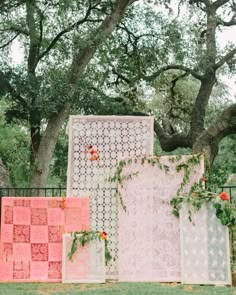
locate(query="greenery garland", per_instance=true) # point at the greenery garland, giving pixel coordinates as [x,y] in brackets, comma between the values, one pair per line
[225,212]
[197,195]
[119,178]
[85,237]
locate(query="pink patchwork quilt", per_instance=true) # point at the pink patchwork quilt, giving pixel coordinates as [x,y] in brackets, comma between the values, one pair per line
[31,236]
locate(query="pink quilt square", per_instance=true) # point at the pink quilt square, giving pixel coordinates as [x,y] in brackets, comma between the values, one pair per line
[39,216]
[8,214]
[72,202]
[21,270]
[73,215]
[55,270]
[54,202]
[22,202]
[55,234]
[39,252]
[39,202]
[21,251]
[8,201]
[6,271]
[22,215]
[7,233]
[56,216]
[39,270]
[7,252]
[21,233]
[54,252]
[39,234]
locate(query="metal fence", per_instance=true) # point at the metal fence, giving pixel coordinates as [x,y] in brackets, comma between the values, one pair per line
[32,192]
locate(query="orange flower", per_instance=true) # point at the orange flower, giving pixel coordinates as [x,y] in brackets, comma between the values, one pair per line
[204,179]
[103,235]
[63,203]
[94,157]
[224,196]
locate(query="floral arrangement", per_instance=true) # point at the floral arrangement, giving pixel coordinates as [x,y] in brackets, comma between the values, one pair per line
[197,196]
[92,152]
[85,237]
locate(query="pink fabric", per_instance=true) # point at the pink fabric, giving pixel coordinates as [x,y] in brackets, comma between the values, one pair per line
[31,236]
[149,239]
[88,264]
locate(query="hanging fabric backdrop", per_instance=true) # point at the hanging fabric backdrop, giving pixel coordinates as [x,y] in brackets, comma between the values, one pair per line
[149,234]
[31,236]
[110,138]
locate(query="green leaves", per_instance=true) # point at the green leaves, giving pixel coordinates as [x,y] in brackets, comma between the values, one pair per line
[84,238]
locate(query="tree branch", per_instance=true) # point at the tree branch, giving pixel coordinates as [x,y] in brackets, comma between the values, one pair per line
[6,86]
[121,76]
[225,58]
[209,140]
[231,22]
[9,42]
[217,4]
[82,57]
[172,67]
[168,142]
[68,29]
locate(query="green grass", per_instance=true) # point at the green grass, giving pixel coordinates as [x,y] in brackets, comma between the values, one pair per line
[111,289]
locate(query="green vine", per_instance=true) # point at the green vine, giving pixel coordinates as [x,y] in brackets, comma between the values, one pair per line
[120,179]
[225,212]
[85,237]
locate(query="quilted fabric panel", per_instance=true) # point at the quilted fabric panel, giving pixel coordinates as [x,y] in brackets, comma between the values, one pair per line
[31,236]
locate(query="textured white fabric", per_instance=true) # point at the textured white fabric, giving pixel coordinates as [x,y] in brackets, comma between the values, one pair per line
[205,253]
[114,138]
[88,264]
[149,238]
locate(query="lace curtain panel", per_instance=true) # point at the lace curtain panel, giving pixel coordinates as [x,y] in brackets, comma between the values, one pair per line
[87,265]
[112,138]
[31,236]
[149,235]
[205,251]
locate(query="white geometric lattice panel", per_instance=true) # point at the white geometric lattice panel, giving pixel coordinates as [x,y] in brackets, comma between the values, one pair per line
[149,238]
[205,252]
[87,265]
[113,137]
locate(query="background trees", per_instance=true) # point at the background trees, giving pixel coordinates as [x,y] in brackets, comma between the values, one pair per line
[159,59]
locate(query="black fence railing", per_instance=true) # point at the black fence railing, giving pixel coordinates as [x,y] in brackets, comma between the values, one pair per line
[32,192]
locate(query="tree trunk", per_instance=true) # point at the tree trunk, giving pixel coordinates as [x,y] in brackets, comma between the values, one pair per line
[46,148]
[80,60]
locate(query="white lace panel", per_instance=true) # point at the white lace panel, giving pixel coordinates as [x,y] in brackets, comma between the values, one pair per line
[88,262]
[149,238]
[113,138]
[205,253]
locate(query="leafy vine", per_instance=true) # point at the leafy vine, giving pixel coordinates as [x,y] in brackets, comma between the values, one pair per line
[85,237]
[119,178]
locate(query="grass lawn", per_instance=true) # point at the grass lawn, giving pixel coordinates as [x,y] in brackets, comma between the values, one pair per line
[111,289]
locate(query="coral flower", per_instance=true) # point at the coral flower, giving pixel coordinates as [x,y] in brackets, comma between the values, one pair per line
[103,235]
[93,151]
[224,196]
[204,179]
